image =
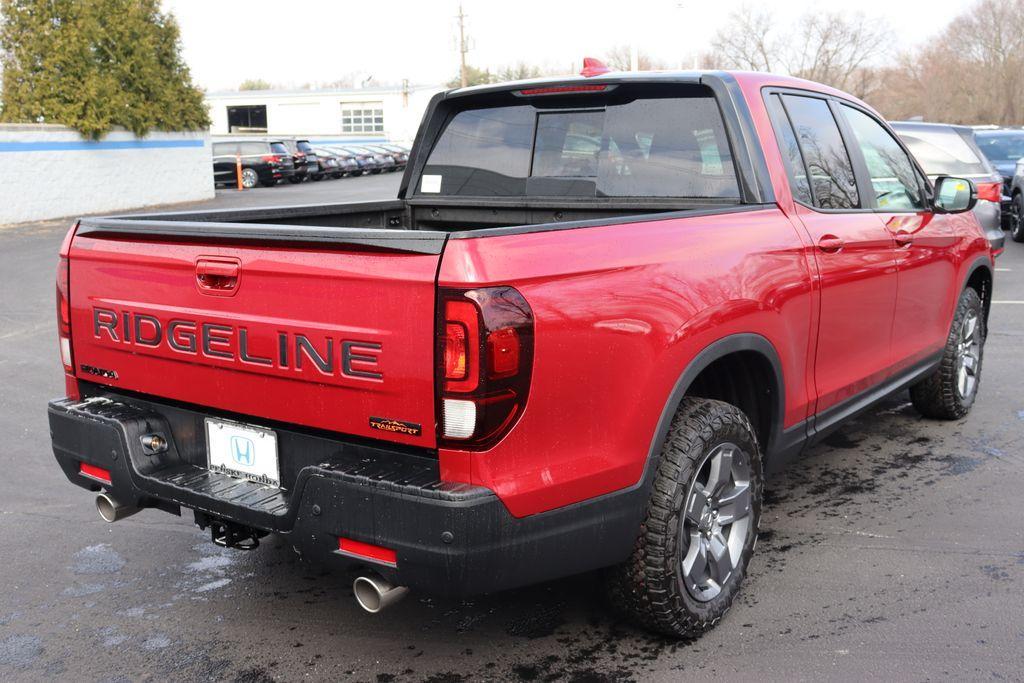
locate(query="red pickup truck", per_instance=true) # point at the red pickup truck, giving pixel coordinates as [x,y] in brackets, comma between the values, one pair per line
[599,309]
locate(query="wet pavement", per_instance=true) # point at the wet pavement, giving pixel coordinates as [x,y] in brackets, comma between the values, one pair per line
[893,551]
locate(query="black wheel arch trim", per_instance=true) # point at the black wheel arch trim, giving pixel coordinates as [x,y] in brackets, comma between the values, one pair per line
[779,440]
[980,263]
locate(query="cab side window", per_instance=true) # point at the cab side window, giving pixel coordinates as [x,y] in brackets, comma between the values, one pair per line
[894,180]
[829,169]
[791,157]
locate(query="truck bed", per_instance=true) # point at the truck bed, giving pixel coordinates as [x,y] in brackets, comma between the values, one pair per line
[411,225]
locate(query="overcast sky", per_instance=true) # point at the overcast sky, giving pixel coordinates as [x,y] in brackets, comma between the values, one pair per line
[227,42]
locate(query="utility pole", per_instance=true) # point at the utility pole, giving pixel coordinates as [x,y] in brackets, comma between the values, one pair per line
[463,45]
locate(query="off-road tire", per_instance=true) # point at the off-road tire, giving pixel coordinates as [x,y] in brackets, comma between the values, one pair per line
[648,588]
[938,396]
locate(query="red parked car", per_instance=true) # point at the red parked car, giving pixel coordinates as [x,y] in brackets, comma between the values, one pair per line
[599,309]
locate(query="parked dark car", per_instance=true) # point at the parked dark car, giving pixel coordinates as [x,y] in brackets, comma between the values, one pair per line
[306,163]
[944,149]
[1003,147]
[385,162]
[326,165]
[333,164]
[401,153]
[367,160]
[263,162]
[1015,218]
[400,158]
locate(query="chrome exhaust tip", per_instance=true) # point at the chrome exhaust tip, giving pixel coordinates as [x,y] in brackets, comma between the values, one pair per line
[111,510]
[374,594]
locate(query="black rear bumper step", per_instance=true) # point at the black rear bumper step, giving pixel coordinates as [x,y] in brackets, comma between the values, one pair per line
[450,539]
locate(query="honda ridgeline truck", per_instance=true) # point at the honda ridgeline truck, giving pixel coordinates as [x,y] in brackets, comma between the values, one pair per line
[600,308]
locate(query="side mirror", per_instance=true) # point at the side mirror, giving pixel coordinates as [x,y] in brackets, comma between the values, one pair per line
[954,195]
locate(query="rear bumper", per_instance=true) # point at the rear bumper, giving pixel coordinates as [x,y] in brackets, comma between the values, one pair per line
[449,539]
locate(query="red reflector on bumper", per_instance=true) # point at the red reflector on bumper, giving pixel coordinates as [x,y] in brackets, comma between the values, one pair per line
[367,550]
[93,472]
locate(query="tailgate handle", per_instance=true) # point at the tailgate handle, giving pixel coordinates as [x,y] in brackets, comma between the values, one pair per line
[217,276]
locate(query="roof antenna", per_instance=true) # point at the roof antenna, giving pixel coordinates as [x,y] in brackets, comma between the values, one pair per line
[593,67]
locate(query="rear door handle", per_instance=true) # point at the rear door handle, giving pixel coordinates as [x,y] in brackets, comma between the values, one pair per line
[218,276]
[903,238]
[830,244]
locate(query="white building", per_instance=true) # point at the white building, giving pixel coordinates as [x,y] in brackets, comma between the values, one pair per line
[358,114]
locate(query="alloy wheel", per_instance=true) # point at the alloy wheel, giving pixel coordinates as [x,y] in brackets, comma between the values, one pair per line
[249,178]
[968,357]
[716,521]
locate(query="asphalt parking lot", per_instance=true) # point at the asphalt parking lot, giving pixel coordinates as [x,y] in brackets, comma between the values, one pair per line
[894,551]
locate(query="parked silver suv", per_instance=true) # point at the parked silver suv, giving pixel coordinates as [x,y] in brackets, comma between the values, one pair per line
[944,149]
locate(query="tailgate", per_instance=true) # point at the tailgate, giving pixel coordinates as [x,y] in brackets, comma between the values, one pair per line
[302,327]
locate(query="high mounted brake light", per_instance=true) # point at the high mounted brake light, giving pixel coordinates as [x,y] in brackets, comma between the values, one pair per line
[563,89]
[485,359]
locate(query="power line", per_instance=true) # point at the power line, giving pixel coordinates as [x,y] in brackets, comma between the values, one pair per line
[463,46]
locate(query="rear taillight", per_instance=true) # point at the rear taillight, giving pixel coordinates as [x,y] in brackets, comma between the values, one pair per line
[990,192]
[64,315]
[485,360]
[272,159]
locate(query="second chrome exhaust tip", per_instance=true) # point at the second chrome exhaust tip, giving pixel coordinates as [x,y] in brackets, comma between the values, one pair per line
[111,510]
[374,594]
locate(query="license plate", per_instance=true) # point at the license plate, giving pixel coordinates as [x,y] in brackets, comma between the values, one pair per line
[243,451]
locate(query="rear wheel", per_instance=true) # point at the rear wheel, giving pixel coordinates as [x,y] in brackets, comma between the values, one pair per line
[294,179]
[949,392]
[1017,218]
[692,552]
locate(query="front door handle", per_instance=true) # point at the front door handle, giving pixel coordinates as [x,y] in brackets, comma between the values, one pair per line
[903,238]
[830,244]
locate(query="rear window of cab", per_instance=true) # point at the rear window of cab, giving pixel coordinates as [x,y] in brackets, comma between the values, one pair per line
[633,141]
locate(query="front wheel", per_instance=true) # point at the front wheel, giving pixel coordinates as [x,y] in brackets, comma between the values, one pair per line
[949,392]
[693,548]
[1017,218]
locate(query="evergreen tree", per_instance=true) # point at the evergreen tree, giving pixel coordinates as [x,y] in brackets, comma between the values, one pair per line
[95,64]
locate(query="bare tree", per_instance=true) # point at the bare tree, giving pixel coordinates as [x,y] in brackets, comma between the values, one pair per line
[618,59]
[747,42]
[837,49]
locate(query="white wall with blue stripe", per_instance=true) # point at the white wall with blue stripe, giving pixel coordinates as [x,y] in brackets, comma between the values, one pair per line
[52,172]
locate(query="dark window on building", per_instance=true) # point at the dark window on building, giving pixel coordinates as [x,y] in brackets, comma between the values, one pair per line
[247,118]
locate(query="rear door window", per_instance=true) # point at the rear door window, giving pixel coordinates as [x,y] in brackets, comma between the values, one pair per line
[833,184]
[664,146]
